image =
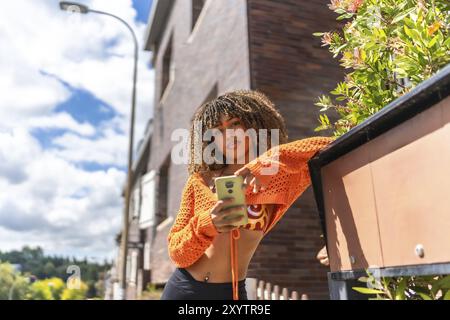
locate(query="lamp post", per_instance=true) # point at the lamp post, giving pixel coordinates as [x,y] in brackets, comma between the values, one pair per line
[80,8]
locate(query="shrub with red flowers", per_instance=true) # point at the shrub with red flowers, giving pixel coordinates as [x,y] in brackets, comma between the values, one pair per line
[388,47]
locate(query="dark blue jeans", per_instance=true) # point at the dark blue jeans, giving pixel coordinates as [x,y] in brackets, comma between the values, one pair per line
[183,286]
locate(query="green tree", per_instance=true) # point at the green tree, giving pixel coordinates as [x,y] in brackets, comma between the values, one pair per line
[49,269]
[76,290]
[34,261]
[12,284]
[48,289]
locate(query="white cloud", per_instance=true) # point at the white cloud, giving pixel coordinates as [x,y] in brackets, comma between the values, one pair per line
[46,197]
[57,203]
[107,150]
[40,42]
[60,120]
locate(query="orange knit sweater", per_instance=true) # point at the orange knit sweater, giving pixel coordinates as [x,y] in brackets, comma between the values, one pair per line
[193,230]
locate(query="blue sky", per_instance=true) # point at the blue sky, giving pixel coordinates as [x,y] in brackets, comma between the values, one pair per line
[83,106]
[64,123]
[143,9]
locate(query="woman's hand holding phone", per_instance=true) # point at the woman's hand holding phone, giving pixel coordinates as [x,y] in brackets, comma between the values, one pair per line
[222,217]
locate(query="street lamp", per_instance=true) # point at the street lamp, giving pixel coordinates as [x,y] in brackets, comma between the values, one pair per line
[80,8]
[73,7]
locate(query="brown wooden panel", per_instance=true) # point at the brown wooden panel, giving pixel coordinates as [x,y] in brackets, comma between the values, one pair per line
[392,194]
[352,227]
[411,172]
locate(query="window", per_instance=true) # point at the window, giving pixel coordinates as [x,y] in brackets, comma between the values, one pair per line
[197,6]
[163,190]
[133,268]
[147,212]
[136,200]
[166,67]
[147,256]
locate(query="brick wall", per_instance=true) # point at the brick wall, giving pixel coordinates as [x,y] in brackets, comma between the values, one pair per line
[291,67]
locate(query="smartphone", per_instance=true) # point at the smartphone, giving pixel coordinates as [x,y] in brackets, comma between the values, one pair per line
[231,186]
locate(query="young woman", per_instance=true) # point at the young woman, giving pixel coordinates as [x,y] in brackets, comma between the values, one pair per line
[211,254]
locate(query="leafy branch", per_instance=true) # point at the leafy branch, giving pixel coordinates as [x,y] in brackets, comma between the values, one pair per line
[388,46]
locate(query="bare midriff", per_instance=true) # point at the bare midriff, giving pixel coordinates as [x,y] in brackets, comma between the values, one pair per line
[215,262]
